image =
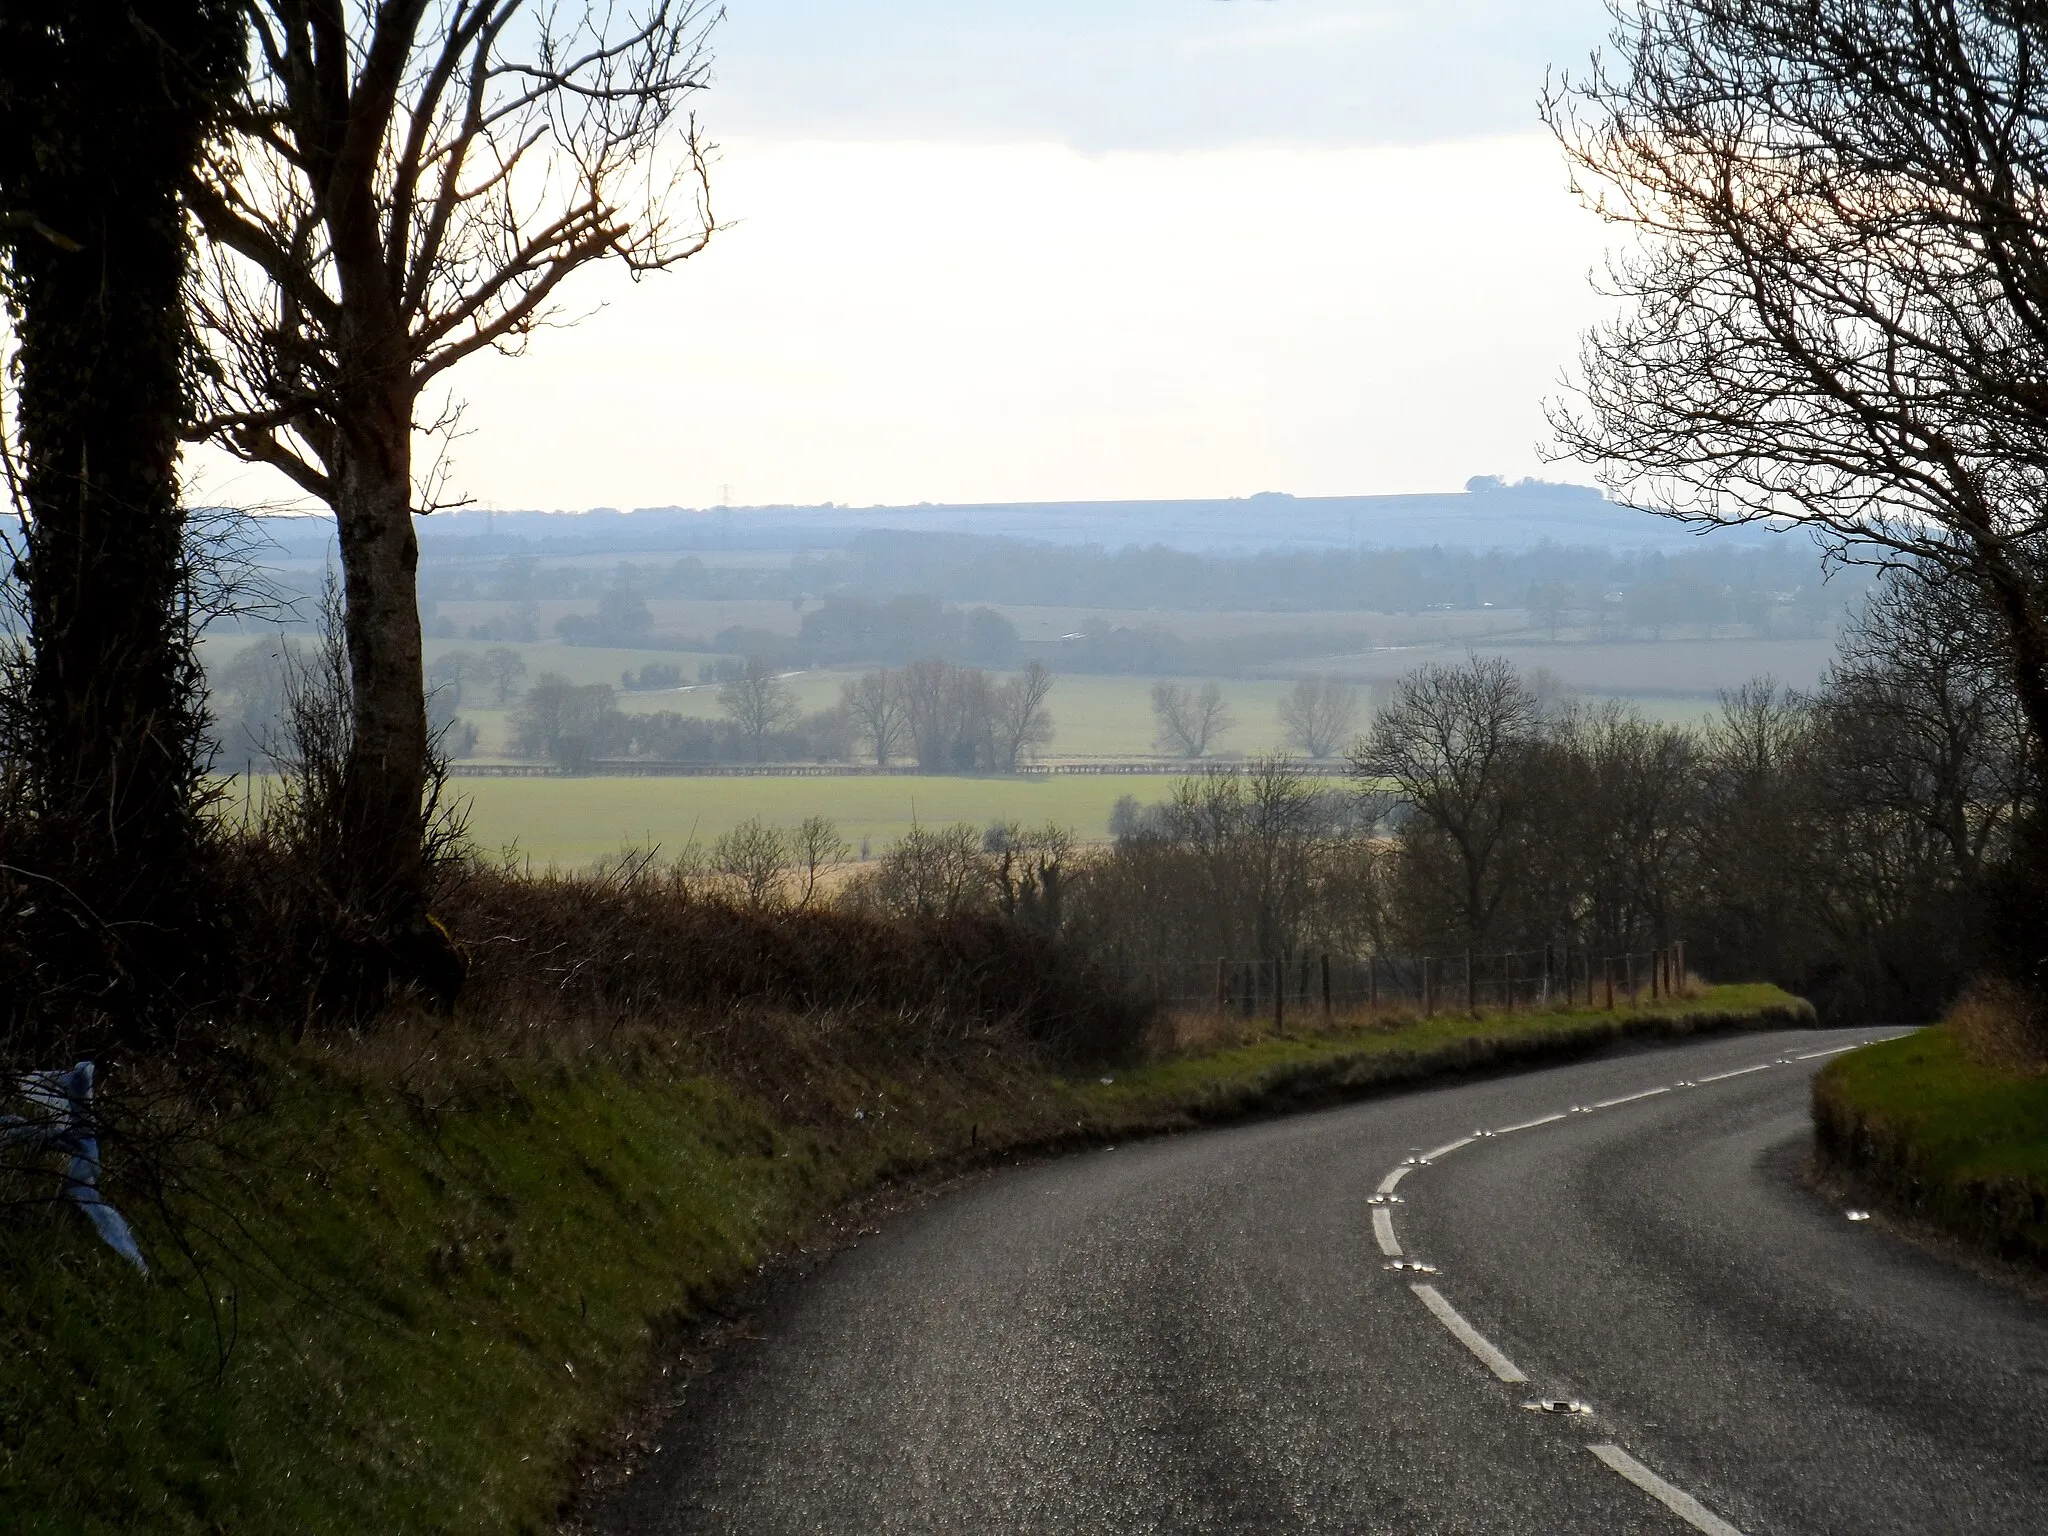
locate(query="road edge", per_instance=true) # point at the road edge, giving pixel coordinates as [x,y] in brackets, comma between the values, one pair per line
[697,1349]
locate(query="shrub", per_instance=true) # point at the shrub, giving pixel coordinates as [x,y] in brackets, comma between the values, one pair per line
[638,942]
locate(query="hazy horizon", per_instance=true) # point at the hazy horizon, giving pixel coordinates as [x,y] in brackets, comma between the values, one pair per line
[1186,248]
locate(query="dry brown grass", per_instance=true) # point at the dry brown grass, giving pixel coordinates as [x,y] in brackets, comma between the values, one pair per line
[637,945]
[2000,1027]
[1197,1031]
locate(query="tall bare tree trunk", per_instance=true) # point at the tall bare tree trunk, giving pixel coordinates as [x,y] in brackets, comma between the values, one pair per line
[387,766]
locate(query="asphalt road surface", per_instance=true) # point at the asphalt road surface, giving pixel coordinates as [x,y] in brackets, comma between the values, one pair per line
[1204,1333]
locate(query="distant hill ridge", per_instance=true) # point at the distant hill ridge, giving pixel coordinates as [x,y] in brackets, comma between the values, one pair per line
[1488,514]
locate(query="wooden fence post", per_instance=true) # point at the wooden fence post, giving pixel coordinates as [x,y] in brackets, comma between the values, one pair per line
[1656,974]
[1326,989]
[1279,996]
[1222,984]
[1428,988]
[1471,985]
[1678,946]
[1607,979]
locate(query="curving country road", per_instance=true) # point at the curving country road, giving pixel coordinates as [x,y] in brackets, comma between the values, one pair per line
[1203,1333]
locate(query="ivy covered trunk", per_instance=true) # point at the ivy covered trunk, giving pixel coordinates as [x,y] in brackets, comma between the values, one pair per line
[103,111]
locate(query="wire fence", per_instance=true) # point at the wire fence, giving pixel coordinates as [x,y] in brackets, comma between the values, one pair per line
[1468,981]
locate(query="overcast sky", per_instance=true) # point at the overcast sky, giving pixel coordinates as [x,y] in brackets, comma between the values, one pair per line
[1022,249]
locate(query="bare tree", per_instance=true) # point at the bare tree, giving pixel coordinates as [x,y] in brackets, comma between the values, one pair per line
[1920,726]
[973,712]
[1255,835]
[1838,310]
[751,865]
[930,710]
[408,183]
[454,671]
[816,849]
[503,668]
[1319,715]
[1190,719]
[928,874]
[570,723]
[1615,795]
[1455,741]
[1019,719]
[875,705]
[758,701]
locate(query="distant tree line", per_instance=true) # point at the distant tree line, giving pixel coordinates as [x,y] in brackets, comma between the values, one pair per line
[1854,842]
[947,719]
[574,725]
[250,697]
[1776,585]
[1773,587]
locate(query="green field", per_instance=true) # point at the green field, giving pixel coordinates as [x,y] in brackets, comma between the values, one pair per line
[575,822]
[1100,716]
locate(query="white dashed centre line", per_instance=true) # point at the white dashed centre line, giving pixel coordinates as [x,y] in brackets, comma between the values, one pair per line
[1629,1098]
[1530,1125]
[1722,1077]
[1467,1335]
[1677,1500]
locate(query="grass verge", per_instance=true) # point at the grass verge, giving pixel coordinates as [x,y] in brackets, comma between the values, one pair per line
[404,1284]
[1918,1125]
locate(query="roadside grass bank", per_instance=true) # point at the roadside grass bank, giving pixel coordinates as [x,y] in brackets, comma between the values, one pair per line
[406,1281]
[1926,1128]
[1277,1073]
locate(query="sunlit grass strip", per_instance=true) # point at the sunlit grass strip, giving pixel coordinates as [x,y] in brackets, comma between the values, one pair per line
[1923,1128]
[457,1253]
[1317,1066]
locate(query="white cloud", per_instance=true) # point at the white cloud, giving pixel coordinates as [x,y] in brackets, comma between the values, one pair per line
[944,322]
[1297,31]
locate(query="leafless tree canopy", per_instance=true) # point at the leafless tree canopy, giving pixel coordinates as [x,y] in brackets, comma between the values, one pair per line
[1319,715]
[955,719]
[1190,720]
[446,163]
[758,701]
[1018,718]
[406,183]
[874,703]
[1455,743]
[1266,862]
[1838,309]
